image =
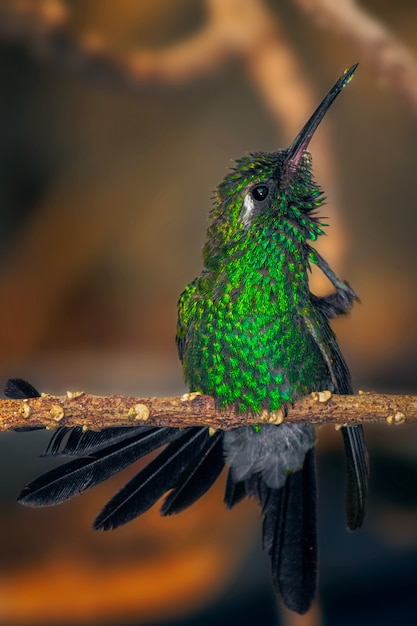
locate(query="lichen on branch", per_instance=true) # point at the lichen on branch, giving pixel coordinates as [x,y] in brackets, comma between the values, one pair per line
[98,412]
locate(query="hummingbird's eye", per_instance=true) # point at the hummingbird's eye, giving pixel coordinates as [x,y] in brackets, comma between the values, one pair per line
[260,192]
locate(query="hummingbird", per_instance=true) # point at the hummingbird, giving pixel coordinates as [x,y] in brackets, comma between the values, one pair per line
[253,336]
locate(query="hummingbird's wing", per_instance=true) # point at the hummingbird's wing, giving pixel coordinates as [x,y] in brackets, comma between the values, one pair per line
[357,461]
[160,475]
[335,303]
[103,461]
[186,304]
[188,466]
[198,478]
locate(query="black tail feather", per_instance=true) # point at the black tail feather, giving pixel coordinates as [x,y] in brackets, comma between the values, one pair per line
[197,478]
[160,475]
[19,389]
[357,463]
[294,550]
[188,466]
[235,491]
[70,479]
[290,533]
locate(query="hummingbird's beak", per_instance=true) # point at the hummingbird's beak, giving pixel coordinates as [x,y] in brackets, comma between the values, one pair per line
[300,143]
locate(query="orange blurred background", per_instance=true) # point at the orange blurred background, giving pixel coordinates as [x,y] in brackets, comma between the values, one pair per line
[104,200]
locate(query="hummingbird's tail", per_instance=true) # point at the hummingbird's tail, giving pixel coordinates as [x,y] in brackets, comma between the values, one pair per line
[290,536]
[290,533]
[275,466]
[188,465]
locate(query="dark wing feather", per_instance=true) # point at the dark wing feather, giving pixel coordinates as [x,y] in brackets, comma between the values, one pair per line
[90,441]
[337,303]
[198,479]
[70,479]
[58,437]
[160,475]
[19,389]
[357,463]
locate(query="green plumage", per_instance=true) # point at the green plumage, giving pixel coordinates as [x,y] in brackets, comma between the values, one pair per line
[245,323]
[251,334]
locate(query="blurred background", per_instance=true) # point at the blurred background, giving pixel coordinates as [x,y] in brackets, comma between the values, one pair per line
[117,121]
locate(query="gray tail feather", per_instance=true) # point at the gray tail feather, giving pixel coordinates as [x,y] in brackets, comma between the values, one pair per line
[273,452]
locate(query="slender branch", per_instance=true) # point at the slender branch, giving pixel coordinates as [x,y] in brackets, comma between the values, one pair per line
[393,63]
[233,29]
[42,26]
[97,412]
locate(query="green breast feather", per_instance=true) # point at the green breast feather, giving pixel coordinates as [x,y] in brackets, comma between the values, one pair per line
[242,329]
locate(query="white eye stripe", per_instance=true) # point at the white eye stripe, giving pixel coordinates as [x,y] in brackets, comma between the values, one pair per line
[247,209]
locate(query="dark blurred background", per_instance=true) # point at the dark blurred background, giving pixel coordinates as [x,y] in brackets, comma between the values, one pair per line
[105,190]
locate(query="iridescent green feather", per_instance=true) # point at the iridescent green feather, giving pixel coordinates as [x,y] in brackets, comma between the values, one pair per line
[241,332]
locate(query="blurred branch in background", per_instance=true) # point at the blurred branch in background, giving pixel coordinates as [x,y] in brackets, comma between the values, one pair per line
[79,79]
[391,61]
[243,31]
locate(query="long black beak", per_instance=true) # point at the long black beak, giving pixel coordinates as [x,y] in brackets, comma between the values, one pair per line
[300,143]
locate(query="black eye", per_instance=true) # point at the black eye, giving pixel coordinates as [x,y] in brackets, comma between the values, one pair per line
[260,192]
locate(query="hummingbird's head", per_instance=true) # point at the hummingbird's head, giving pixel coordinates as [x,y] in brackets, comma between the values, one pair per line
[269,191]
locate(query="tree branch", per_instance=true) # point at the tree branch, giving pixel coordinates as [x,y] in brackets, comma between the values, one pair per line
[392,62]
[97,412]
[232,29]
